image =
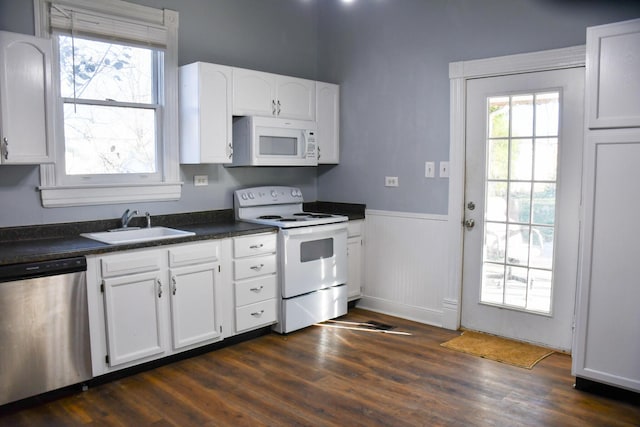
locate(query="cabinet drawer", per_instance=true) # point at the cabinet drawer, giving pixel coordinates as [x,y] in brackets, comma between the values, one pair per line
[195,253]
[251,267]
[130,263]
[256,315]
[255,290]
[254,245]
[354,228]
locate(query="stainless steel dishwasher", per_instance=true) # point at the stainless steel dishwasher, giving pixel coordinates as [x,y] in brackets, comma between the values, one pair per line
[44,327]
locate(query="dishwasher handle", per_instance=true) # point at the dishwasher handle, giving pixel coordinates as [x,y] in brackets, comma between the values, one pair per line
[42,268]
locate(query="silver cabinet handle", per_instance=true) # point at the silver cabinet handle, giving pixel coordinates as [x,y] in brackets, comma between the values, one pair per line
[273,107]
[230,150]
[256,246]
[278,107]
[319,153]
[257,313]
[174,282]
[6,148]
[257,267]
[258,289]
[159,288]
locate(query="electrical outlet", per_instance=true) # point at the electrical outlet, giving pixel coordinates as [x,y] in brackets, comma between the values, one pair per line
[200,180]
[391,181]
[444,169]
[429,169]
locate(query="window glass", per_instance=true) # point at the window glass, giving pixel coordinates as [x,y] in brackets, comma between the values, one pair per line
[110,117]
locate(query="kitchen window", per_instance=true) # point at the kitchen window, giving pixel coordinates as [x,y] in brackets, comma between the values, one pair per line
[116,128]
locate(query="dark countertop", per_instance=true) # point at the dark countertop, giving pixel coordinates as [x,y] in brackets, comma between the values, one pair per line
[54,241]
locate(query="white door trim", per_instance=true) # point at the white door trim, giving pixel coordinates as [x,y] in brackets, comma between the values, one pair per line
[459,73]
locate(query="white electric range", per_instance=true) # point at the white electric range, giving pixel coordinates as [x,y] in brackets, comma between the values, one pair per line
[312,251]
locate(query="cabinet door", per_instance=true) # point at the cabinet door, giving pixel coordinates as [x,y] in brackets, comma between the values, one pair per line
[133,316]
[195,306]
[26,103]
[254,93]
[613,75]
[328,119]
[607,342]
[295,98]
[205,113]
[354,259]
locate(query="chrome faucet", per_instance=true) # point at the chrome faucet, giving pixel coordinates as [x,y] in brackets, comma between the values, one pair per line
[126,217]
[148,215]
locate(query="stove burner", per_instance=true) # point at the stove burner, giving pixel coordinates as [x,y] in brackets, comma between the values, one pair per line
[289,220]
[270,217]
[302,214]
[320,216]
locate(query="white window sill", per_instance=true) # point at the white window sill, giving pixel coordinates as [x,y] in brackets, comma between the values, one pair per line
[86,195]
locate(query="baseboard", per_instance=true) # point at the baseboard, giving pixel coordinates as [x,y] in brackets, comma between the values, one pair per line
[393,308]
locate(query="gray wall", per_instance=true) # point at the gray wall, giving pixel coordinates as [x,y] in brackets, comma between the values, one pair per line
[391,59]
[277,36]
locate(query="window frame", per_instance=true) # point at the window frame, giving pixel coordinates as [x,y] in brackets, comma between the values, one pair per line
[55,189]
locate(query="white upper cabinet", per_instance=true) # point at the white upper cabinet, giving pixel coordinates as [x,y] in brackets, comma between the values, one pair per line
[256,93]
[613,75]
[26,99]
[328,119]
[205,113]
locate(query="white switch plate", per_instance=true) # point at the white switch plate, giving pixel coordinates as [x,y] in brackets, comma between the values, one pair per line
[200,180]
[429,169]
[391,181]
[444,169]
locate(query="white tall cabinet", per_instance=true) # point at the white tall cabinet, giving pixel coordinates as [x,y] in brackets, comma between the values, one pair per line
[26,99]
[607,335]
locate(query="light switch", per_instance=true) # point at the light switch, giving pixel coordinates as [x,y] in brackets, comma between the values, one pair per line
[444,169]
[429,169]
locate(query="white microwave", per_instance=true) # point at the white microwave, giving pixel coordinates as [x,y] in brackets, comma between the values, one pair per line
[270,141]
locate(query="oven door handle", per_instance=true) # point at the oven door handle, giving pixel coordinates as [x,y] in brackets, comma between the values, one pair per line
[316,230]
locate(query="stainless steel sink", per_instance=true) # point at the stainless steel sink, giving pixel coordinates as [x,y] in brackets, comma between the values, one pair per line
[137,235]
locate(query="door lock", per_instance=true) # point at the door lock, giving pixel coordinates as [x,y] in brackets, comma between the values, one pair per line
[471,206]
[469,223]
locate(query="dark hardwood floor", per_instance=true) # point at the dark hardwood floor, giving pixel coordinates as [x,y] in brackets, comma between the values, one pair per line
[323,376]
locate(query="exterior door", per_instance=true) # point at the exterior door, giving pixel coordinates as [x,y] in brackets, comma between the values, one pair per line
[524,137]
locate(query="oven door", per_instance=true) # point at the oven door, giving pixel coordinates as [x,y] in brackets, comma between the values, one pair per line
[313,258]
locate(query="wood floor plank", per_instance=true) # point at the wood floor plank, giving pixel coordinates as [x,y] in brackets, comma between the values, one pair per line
[337,377]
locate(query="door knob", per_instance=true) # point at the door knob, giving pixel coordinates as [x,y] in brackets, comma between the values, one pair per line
[469,223]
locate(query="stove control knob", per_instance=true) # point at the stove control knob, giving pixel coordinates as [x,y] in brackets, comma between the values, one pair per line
[244,196]
[294,192]
[274,193]
[251,196]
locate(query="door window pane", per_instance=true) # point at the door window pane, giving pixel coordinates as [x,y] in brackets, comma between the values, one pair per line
[522,115]
[520,200]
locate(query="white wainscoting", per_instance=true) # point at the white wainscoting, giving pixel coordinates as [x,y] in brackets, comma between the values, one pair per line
[406,265]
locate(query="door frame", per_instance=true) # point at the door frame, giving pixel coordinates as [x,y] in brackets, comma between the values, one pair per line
[459,73]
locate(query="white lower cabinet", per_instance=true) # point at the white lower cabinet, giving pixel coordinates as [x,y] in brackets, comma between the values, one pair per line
[255,281]
[355,242]
[150,303]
